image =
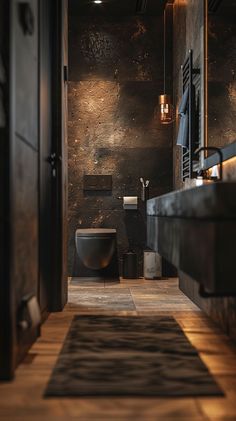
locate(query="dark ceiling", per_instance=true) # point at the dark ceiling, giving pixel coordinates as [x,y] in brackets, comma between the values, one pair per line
[117,7]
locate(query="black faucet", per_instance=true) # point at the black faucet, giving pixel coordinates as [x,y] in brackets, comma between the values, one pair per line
[215,149]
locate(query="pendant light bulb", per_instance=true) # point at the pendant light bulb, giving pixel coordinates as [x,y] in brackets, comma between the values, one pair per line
[166,109]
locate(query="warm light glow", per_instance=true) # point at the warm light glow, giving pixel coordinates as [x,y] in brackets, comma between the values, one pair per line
[229,169]
[166,110]
[227,163]
[230,161]
[97,1]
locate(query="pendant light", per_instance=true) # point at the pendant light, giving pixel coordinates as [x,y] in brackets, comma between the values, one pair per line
[166,109]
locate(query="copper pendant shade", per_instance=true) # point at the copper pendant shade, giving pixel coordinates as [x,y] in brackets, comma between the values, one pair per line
[166,109]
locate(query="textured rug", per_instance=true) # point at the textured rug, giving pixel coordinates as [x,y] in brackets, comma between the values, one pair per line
[129,356]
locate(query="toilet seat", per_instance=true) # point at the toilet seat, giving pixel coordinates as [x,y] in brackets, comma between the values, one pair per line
[95,232]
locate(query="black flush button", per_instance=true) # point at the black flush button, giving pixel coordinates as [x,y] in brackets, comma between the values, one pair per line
[97,183]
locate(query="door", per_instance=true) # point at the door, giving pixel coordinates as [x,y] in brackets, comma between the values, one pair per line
[33,182]
[24,168]
[19,180]
[7,322]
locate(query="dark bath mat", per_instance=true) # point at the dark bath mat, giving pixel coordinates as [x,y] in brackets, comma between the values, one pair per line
[129,356]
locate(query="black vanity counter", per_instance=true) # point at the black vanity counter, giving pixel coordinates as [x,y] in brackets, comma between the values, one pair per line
[213,200]
[195,229]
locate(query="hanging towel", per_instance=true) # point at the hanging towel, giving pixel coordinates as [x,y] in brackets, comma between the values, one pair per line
[182,139]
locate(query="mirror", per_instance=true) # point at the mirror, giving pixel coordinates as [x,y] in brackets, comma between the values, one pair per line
[221,73]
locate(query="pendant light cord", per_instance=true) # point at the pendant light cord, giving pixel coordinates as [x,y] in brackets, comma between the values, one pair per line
[164,51]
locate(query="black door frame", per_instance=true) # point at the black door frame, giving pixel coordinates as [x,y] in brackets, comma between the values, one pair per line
[45,142]
[7,310]
[59,275]
[57,285]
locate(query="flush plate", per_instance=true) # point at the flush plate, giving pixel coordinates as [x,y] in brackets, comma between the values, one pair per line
[97,183]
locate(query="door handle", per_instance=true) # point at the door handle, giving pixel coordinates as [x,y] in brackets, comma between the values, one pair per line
[51,159]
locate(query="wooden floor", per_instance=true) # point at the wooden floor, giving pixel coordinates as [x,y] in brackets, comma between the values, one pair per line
[22,399]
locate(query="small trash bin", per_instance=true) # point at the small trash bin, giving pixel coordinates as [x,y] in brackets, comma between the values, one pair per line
[130,265]
[152,267]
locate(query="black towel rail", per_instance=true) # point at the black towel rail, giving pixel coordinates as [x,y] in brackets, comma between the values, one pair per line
[188,73]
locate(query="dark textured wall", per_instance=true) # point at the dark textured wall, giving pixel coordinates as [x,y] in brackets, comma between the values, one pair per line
[2,75]
[188,20]
[222,75]
[116,75]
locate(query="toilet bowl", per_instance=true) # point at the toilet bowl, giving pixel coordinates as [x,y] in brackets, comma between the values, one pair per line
[95,247]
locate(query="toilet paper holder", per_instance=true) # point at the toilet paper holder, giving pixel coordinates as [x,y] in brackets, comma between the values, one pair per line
[129,202]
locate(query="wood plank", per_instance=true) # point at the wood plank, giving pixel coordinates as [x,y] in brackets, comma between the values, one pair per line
[22,399]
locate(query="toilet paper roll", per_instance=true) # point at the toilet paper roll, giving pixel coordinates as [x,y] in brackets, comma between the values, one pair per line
[130,202]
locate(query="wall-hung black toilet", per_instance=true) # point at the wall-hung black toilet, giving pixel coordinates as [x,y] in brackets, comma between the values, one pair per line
[96,253]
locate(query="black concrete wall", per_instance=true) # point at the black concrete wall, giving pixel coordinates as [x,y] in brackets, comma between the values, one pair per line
[115,77]
[188,21]
[222,75]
